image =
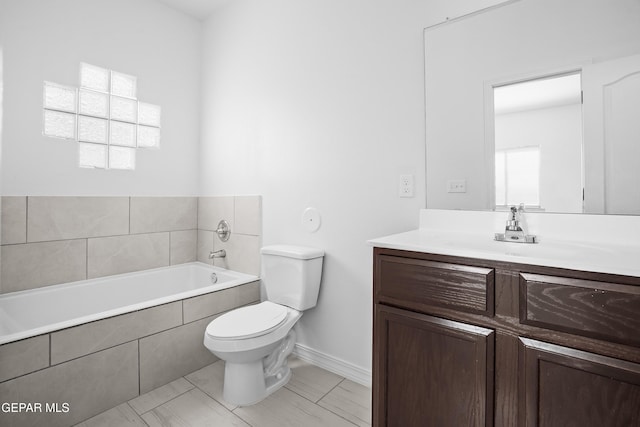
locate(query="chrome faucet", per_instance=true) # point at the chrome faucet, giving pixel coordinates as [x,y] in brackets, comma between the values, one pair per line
[217,254]
[514,231]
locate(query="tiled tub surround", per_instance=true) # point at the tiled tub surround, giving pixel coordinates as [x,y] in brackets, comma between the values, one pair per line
[56,240]
[244,214]
[52,240]
[98,365]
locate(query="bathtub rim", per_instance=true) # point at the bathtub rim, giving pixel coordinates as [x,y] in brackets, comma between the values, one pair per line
[240,279]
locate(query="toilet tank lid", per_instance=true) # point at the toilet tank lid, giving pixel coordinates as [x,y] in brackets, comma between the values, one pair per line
[291,251]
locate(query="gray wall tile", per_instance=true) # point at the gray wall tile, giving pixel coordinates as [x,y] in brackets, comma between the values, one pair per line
[205,245]
[218,302]
[33,265]
[154,214]
[58,218]
[213,209]
[248,215]
[22,357]
[172,354]
[91,337]
[184,245]
[14,220]
[124,254]
[90,385]
[243,253]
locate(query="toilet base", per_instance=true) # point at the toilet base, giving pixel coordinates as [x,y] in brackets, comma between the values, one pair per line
[245,384]
[248,383]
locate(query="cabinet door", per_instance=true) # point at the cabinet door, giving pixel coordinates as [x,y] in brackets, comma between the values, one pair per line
[560,386]
[430,371]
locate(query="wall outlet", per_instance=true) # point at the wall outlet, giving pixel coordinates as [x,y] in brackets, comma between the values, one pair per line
[457,186]
[406,186]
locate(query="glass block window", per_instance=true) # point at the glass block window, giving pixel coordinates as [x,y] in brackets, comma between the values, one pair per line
[59,124]
[91,129]
[58,97]
[92,156]
[104,116]
[94,104]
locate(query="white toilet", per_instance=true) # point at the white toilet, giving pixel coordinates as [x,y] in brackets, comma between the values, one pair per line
[254,341]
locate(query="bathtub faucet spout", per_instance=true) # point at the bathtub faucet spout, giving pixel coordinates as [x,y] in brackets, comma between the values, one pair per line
[217,254]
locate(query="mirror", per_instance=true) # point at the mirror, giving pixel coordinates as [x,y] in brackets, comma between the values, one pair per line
[538,144]
[470,140]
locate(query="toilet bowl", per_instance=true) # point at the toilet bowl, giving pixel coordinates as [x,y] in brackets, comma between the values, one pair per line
[244,338]
[255,341]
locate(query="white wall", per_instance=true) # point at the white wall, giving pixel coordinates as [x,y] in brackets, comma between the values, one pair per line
[321,104]
[558,132]
[47,40]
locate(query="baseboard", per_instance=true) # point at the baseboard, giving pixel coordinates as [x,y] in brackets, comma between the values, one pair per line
[333,364]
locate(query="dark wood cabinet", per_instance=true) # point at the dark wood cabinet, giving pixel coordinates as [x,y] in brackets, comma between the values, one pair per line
[561,386]
[424,361]
[469,342]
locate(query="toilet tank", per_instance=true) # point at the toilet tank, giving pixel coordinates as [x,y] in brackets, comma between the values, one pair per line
[291,275]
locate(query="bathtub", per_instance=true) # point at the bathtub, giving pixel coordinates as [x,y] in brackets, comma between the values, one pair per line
[38,311]
[130,333]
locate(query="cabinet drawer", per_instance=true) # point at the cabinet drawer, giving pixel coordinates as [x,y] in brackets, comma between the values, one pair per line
[423,282]
[601,310]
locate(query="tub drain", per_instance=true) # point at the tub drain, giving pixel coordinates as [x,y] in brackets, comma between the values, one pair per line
[214,278]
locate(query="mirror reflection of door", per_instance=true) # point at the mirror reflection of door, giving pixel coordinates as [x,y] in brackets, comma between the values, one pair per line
[612,132]
[538,144]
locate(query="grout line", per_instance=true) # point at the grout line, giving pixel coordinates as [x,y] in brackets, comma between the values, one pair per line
[134,411]
[86,264]
[197,212]
[139,364]
[26,219]
[332,388]
[164,403]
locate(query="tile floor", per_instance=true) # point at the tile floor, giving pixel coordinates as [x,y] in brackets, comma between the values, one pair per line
[312,398]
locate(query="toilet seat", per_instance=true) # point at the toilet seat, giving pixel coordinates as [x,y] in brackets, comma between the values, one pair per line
[248,322]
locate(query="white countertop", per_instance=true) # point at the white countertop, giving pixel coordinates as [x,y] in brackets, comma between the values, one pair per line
[597,253]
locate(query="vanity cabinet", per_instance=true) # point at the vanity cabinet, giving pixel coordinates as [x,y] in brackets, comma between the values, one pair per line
[561,386]
[458,392]
[469,342]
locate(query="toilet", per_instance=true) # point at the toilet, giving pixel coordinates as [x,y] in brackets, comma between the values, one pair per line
[255,341]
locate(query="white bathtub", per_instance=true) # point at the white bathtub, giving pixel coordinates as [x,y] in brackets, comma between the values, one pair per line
[33,312]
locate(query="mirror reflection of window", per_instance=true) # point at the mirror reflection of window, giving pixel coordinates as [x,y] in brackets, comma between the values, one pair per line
[518,177]
[538,144]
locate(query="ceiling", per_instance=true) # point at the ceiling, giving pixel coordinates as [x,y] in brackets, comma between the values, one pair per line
[539,93]
[199,9]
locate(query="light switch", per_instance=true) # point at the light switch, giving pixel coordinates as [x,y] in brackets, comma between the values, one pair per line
[457,186]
